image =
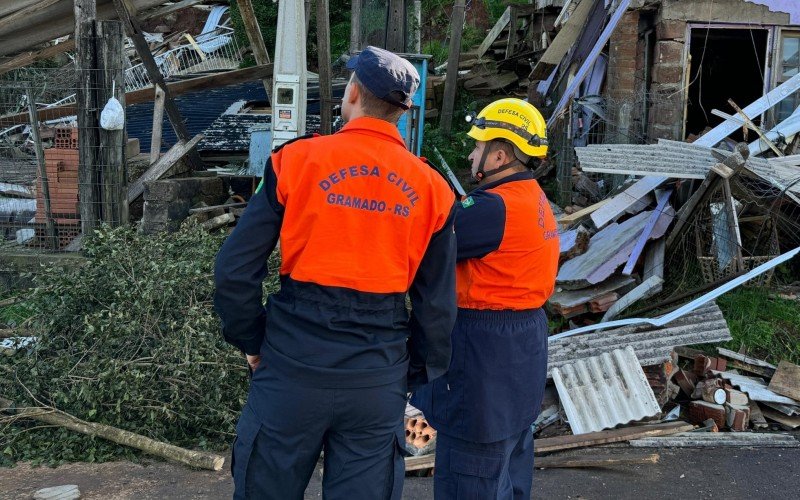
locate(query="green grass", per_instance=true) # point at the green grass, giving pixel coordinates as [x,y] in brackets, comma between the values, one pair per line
[767,326]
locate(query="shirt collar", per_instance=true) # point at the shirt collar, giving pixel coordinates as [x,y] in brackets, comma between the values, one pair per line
[374,127]
[519,176]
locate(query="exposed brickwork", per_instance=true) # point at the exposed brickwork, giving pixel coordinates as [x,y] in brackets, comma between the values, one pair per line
[623,51]
[671,29]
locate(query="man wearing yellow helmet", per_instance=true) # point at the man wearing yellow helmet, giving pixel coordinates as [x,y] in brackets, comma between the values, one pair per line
[507,241]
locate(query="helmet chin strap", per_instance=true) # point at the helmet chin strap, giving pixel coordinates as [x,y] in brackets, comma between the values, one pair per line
[482,174]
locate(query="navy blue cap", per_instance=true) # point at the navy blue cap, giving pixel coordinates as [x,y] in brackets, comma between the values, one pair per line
[387,75]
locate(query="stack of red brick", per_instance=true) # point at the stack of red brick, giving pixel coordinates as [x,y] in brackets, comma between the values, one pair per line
[61,164]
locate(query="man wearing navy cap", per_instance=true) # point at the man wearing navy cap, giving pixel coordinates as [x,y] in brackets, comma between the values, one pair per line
[363,223]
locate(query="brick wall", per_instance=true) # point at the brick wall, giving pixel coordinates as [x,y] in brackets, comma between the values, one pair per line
[666,114]
[624,73]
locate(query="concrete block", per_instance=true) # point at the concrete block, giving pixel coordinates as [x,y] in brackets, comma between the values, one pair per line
[669,52]
[667,73]
[161,190]
[671,29]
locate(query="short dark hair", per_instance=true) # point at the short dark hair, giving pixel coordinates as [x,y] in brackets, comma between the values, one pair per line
[376,107]
[508,148]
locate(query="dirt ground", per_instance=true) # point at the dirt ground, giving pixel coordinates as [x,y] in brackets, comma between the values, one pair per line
[729,473]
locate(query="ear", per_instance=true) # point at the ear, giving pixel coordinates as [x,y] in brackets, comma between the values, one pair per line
[500,156]
[354,94]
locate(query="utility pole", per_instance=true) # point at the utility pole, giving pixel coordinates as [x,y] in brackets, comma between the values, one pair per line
[355,26]
[451,81]
[289,74]
[396,26]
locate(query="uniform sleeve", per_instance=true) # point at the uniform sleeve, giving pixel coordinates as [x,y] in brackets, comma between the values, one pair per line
[241,267]
[433,308]
[480,223]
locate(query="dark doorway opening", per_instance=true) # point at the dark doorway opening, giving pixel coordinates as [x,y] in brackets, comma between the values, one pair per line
[726,64]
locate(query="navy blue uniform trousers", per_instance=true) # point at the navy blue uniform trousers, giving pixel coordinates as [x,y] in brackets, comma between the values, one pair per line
[285,425]
[483,407]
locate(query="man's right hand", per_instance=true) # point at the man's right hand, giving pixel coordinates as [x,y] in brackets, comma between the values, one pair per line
[253,361]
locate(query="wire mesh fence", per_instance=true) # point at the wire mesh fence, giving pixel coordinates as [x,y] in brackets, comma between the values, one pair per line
[42,178]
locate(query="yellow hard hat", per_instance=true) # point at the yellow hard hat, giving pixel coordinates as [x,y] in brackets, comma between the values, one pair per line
[515,120]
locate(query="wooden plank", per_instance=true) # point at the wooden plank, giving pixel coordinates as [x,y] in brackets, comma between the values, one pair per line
[125,11]
[168,9]
[27,58]
[421,462]
[547,445]
[588,63]
[255,37]
[451,81]
[654,260]
[175,153]
[621,202]
[786,421]
[786,380]
[572,298]
[501,23]
[752,126]
[663,199]
[747,359]
[734,237]
[158,124]
[22,15]
[50,226]
[217,207]
[608,249]
[648,288]
[594,461]
[580,214]
[564,40]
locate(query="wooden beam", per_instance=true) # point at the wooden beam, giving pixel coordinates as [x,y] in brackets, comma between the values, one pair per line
[110,76]
[324,65]
[753,127]
[451,80]
[624,200]
[158,124]
[547,445]
[134,31]
[146,94]
[646,289]
[501,23]
[22,15]
[87,111]
[580,214]
[733,224]
[255,37]
[59,418]
[164,163]
[396,26]
[355,26]
[27,58]
[168,9]
[582,461]
[50,225]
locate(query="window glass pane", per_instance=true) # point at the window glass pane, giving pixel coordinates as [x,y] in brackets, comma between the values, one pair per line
[285,96]
[791,47]
[787,106]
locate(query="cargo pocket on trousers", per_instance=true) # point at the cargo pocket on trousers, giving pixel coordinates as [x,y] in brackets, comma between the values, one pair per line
[397,469]
[246,432]
[476,475]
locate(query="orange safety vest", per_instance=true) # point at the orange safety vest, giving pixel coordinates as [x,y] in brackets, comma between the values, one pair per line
[352,183]
[520,274]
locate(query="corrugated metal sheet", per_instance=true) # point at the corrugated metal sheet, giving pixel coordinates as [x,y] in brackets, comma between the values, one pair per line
[712,439]
[755,388]
[652,344]
[604,391]
[674,159]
